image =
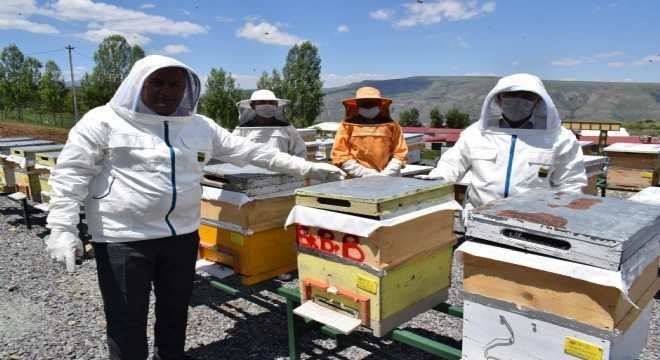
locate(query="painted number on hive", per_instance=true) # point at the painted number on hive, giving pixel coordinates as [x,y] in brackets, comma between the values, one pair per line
[332,242]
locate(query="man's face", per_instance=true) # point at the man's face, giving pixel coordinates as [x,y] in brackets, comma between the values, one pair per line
[163,90]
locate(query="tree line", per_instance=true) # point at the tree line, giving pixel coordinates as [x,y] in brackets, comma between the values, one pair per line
[23,86]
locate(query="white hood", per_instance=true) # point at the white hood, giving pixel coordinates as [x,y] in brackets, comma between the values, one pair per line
[246,113]
[127,97]
[545,117]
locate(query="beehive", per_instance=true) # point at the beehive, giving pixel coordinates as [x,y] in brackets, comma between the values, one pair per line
[380,303]
[378,197]
[593,165]
[597,297]
[5,146]
[48,158]
[29,153]
[602,232]
[307,134]
[414,143]
[633,166]
[27,182]
[250,180]
[504,332]
[7,178]
[255,256]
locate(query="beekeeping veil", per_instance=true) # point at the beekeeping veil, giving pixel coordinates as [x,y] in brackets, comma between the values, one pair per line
[246,113]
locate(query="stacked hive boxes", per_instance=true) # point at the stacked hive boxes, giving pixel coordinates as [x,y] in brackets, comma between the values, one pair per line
[26,175]
[633,166]
[243,214]
[593,165]
[309,135]
[373,251]
[553,276]
[415,143]
[7,167]
[45,163]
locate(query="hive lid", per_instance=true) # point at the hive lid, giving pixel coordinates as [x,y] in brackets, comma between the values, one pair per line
[598,231]
[375,196]
[250,180]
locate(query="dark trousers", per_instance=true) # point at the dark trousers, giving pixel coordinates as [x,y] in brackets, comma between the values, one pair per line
[126,272]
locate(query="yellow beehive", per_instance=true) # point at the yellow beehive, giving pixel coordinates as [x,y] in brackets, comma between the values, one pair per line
[48,158]
[257,256]
[256,215]
[7,178]
[381,302]
[27,182]
[386,247]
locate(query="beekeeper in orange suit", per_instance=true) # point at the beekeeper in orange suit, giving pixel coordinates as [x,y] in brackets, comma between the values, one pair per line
[368,141]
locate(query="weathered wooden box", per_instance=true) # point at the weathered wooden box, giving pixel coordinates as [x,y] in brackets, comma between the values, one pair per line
[385,248]
[378,197]
[381,303]
[29,153]
[255,256]
[5,147]
[504,332]
[633,166]
[256,215]
[414,143]
[307,134]
[602,232]
[601,298]
[250,180]
[7,177]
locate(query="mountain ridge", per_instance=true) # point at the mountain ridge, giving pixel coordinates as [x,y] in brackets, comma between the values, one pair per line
[576,100]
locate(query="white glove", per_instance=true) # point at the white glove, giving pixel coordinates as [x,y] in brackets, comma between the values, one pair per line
[357,170]
[393,168]
[433,175]
[62,247]
[325,172]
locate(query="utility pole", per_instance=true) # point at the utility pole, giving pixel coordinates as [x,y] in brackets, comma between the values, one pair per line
[73,86]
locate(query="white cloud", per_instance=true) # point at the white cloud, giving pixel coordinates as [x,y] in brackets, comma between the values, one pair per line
[433,12]
[647,60]
[567,62]
[14,15]
[515,63]
[267,33]
[615,64]
[462,43]
[342,29]
[220,18]
[147,6]
[173,49]
[97,35]
[334,80]
[381,14]
[103,18]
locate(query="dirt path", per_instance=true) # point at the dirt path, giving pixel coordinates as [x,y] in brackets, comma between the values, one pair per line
[57,135]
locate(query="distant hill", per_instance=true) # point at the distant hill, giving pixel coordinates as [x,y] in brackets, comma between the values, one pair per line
[575,100]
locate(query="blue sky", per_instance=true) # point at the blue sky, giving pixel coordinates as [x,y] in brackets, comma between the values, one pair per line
[358,40]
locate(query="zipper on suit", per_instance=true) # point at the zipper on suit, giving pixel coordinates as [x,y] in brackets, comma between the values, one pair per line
[172,177]
[510,165]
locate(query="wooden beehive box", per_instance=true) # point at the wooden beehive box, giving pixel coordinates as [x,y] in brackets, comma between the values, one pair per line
[312,149]
[29,152]
[494,331]
[650,195]
[602,298]
[27,182]
[385,248]
[259,214]
[414,143]
[5,146]
[593,165]
[633,166]
[250,180]
[378,197]
[48,158]
[307,134]
[381,303]
[255,256]
[7,179]
[602,232]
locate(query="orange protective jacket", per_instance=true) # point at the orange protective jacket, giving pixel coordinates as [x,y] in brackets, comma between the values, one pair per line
[371,145]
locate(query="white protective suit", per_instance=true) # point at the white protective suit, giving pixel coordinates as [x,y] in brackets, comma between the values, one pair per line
[138,174]
[285,138]
[505,161]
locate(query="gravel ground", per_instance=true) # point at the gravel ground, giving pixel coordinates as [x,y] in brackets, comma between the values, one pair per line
[48,314]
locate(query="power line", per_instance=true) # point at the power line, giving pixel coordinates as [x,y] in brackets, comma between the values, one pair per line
[83,55]
[43,52]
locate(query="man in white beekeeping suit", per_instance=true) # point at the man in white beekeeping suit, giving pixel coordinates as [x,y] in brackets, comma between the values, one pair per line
[136,165]
[518,144]
[262,120]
